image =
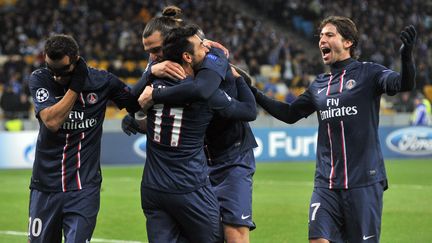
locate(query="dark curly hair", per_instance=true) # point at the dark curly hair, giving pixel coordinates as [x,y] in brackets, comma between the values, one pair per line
[60,45]
[176,42]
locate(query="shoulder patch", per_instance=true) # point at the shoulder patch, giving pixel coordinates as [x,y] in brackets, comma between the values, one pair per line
[42,95]
[38,71]
[214,59]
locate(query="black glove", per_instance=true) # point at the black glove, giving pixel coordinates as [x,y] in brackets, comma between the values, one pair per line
[247,78]
[408,37]
[129,125]
[79,75]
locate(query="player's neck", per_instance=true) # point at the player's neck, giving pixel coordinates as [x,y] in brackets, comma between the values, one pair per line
[339,65]
[188,70]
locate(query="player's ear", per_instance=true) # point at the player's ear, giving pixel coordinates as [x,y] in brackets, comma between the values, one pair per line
[347,43]
[187,57]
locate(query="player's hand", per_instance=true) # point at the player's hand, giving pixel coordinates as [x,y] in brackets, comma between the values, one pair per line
[79,75]
[168,69]
[210,44]
[248,79]
[129,125]
[408,37]
[234,72]
[145,100]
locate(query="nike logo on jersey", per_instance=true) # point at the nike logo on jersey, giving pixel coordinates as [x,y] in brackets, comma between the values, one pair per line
[368,237]
[59,97]
[228,97]
[245,217]
[321,90]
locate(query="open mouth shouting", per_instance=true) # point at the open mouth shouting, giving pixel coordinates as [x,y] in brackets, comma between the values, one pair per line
[325,52]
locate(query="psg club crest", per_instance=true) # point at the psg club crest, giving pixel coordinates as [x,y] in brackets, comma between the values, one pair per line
[92,98]
[350,84]
[42,95]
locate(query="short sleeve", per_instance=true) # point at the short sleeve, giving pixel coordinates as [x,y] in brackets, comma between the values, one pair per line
[216,60]
[41,91]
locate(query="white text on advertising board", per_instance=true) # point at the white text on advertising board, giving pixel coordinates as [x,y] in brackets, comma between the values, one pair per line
[411,141]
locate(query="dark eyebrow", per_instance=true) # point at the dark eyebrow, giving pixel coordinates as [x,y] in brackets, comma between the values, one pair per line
[154,49]
[326,33]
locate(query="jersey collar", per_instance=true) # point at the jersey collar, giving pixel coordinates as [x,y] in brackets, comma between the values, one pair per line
[338,66]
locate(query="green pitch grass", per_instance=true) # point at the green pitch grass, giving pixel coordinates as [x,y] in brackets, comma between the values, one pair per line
[281,200]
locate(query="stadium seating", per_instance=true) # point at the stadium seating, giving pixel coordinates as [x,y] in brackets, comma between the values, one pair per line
[109,35]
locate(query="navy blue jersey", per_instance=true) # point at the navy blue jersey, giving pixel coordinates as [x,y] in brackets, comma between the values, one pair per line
[176,161]
[347,102]
[225,137]
[69,159]
[146,77]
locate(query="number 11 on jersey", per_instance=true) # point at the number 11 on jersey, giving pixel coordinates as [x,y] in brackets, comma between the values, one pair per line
[176,114]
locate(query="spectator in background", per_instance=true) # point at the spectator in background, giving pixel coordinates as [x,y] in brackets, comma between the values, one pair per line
[15,105]
[422,113]
[9,103]
[404,102]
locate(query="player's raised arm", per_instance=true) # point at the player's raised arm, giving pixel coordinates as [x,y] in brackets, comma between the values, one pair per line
[207,80]
[280,110]
[289,113]
[391,82]
[243,108]
[210,44]
[408,73]
[168,69]
[54,116]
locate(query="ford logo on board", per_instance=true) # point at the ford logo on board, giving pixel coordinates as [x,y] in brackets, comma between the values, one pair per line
[29,153]
[411,141]
[139,146]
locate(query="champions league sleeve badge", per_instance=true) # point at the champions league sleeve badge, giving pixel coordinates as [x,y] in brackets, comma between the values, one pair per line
[42,95]
[214,59]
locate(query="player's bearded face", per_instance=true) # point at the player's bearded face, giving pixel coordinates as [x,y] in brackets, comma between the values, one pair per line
[333,46]
[200,51]
[61,70]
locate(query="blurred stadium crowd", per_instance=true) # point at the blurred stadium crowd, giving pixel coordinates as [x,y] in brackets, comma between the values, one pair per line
[277,44]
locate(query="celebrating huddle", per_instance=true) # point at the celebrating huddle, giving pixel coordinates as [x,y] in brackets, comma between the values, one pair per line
[197,179]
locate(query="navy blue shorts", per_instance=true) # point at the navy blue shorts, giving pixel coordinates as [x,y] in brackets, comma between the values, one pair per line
[73,212]
[232,183]
[183,217]
[352,215]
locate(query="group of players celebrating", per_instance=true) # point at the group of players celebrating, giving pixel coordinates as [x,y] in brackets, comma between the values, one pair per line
[194,107]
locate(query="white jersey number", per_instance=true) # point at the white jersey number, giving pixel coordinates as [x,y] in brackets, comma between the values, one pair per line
[315,206]
[177,115]
[35,227]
